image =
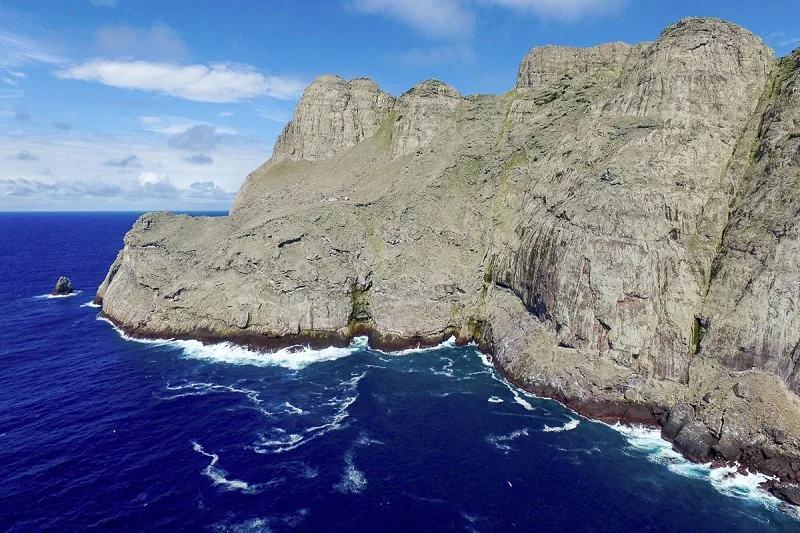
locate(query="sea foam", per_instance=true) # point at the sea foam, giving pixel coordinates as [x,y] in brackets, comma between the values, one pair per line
[56,296]
[568,426]
[293,357]
[727,480]
[217,475]
[449,343]
[353,480]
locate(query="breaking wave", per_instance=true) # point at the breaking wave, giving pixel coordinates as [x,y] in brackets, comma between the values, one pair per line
[568,426]
[726,480]
[501,442]
[293,357]
[449,343]
[56,296]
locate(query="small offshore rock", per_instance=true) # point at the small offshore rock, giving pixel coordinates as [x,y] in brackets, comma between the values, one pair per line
[63,287]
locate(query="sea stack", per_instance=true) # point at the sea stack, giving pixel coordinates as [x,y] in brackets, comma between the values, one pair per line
[63,287]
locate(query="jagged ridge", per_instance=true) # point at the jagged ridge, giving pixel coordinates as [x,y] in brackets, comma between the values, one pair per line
[594,228]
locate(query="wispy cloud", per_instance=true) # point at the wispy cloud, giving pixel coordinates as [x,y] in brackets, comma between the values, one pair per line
[564,10]
[439,18]
[124,162]
[199,159]
[85,158]
[104,3]
[218,83]
[782,41]
[21,115]
[17,50]
[148,187]
[25,155]
[201,137]
[155,43]
[456,19]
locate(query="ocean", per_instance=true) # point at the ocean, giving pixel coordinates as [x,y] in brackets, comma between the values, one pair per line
[102,432]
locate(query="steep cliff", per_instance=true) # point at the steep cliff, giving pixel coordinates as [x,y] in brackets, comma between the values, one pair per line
[618,230]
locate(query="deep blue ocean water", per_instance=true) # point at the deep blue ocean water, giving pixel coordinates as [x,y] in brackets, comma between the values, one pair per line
[97,431]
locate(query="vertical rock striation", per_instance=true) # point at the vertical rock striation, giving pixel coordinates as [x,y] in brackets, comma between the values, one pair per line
[619,230]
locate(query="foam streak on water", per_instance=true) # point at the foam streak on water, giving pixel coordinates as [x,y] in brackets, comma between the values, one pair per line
[568,426]
[217,475]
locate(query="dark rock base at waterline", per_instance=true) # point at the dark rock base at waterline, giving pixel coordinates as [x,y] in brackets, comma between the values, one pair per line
[697,450]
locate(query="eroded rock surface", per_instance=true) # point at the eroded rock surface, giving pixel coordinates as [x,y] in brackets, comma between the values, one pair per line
[63,287]
[620,230]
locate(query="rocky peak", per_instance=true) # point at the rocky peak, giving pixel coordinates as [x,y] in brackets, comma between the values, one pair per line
[423,113]
[546,64]
[333,115]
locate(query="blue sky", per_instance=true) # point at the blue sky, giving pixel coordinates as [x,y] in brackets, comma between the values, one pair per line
[154,104]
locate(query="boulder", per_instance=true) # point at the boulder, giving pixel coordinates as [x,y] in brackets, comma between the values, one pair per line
[63,287]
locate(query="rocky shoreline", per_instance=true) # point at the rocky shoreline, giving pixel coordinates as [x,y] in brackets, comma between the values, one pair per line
[610,412]
[620,230]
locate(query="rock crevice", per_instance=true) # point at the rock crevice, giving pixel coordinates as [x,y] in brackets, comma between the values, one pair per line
[618,230]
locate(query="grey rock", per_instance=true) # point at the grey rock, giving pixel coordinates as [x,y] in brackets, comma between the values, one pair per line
[789,492]
[696,441]
[741,390]
[620,229]
[63,287]
[679,416]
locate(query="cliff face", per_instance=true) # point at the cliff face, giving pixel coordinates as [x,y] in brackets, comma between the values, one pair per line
[619,230]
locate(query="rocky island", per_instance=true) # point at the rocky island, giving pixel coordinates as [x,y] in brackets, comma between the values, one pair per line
[63,287]
[620,231]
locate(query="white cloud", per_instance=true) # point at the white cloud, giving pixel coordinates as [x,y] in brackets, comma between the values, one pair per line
[100,159]
[446,18]
[218,83]
[455,19]
[158,42]
[566,10]
[158,191]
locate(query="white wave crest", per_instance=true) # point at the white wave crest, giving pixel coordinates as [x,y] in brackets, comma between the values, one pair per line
[568,426]
[727,480]
[353,480]
[495,399]
[56,296]
[91,304]
[217,475]
[501,441]
[293,357]
[291,409]
[449,343]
